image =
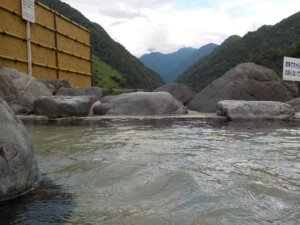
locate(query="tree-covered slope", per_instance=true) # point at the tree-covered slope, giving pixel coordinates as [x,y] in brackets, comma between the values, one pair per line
[266,46]
[164,64]
[136,75]
[196,56]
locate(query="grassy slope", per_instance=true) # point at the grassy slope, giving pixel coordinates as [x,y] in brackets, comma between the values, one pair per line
[105,76]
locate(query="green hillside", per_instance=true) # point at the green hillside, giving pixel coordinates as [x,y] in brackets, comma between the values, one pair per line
[266,46]
[105,76]
[136,75]
[295,51]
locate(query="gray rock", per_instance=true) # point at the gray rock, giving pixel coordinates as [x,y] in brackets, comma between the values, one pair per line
[245,110]
[295,103]
[55,85]
[63,106]
[181,92]
[18,166]
[107,98]
[141,103]
[94,92]
[102,109]
[20,90]
[246,81]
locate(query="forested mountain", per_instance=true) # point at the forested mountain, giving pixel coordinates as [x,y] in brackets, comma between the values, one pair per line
[171,65]
[112,54]
[164,64]
[266,46]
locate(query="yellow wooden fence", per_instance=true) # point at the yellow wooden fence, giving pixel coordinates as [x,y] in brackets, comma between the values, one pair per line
[60,47]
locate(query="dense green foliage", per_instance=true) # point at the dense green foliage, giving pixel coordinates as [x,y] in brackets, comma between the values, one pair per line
[104,47]
[171,65]
[105,76]
[266,46]
[295,50]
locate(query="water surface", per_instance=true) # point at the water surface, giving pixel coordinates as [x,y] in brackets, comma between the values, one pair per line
[163,173]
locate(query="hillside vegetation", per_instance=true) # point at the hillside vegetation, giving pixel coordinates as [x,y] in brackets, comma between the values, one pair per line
[267,46]
[105,76]
[135,74]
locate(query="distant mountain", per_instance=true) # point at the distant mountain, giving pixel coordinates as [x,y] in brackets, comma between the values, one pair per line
[164,64]
[170,66]
[196,56]
[266,46]
[114,58]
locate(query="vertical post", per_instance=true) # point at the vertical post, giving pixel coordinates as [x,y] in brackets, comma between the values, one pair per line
[29,56]
[298,93]
[56,44]
[91,58]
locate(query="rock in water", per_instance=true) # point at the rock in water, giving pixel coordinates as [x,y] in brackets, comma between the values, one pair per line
[181,92]
[246,81]
[245,110]
[63,106]
[20,90]
[141,103]
[18,167]
[94,92]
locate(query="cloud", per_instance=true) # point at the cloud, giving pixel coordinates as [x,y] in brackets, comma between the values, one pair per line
[151,49]
[132,9]
[118,23]
[166,25]
[120,13]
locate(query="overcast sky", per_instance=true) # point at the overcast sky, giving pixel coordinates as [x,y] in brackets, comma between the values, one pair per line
[167,25]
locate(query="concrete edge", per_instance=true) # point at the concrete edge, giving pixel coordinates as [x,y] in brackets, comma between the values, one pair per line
[192,116]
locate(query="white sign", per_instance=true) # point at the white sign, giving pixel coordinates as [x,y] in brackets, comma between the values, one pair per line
[28,10]
[291,69]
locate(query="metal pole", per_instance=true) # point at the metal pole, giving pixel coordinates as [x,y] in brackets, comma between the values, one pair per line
[29,57]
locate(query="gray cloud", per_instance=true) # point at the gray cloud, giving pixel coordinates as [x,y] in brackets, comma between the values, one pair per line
[118,23]
[131,9]
[149,3]
[120,13]
[119,9]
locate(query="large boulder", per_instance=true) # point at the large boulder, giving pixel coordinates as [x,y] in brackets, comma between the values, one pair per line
[63,106]
[295,103]
[245,110]
[141,103]
[55,85]
[18,166]
[94,92]
[108,98]
[246,81]
[20,90]
[181,92]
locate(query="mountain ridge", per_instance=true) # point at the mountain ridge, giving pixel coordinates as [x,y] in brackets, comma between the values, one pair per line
[171,65]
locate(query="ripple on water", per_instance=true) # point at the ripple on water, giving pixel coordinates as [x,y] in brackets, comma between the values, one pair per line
[170,173]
